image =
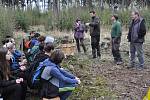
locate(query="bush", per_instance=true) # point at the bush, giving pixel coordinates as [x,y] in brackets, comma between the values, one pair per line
[7,23]
[21,20]
[65,20]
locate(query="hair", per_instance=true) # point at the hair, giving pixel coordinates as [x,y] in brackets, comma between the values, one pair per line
[10,45]
[3,42]
[4,64]
[36,35]
[78,20]
[116,16]
[57,56]
[48,47]
[136,12]
[8,36]
[41,38]
[41,46]
[93,12]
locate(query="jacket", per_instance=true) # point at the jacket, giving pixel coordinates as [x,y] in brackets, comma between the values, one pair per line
[94,26]
[116,29]
[58,77]
[4,83]
[137,31]
[14,64]
[79,31]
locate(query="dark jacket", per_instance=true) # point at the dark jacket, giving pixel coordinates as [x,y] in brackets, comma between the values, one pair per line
[137,31]
[5,83]
[94,26]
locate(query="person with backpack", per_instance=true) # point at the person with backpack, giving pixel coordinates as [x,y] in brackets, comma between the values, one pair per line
[35,49]
[137,32]
[56,82]
[45,52]
[116,33]
[9,88]
[79,35]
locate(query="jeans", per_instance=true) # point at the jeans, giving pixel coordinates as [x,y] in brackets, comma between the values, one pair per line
[95,46]
[78,42]
[115,49]
[136,47]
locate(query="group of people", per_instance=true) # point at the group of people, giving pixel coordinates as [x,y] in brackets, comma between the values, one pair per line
[18,70]
[136,34]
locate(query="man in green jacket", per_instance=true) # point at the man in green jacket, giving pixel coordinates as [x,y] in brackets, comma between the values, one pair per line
[116,33]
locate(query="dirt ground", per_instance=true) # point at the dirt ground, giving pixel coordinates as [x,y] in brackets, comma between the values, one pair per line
[126,84]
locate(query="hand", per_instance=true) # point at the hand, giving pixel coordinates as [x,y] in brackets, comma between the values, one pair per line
[79,82]
[19,80]
[23,68]
[77,24]
[87,24]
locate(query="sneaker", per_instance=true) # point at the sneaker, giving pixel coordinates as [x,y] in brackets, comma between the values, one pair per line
[130,66]
[94,57]
[140,67]
[119,62]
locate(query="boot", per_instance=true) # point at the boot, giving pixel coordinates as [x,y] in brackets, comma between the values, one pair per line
[94,53]
[98,52]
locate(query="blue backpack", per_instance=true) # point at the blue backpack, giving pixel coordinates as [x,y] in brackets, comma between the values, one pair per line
[35,77]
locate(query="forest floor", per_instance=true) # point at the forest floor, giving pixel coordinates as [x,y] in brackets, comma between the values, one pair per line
[102,79]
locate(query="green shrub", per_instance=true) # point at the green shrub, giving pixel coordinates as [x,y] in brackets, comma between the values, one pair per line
[7,23]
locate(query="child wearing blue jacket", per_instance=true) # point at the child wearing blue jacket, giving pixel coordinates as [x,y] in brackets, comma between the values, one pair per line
[56,82]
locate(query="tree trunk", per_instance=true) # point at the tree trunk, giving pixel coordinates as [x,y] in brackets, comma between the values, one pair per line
[101,4]
[90,4]
[55,7]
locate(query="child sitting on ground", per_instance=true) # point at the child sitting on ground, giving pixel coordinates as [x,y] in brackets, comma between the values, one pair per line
[57,82]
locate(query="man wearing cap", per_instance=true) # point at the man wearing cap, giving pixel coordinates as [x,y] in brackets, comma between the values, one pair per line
[137,32]
[95,34]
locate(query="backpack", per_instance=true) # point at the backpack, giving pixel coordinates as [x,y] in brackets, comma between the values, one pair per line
[36,78]
[32,53]
[34,74]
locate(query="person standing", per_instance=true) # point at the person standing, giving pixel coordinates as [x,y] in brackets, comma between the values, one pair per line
[116,33]
[95,34]
[137,32]
[79,35]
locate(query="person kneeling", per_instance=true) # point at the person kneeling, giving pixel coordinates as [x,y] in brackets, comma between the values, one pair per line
[56,82]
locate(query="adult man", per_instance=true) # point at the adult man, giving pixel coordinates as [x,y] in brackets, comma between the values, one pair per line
[95,34]
[136,34]
[116,39]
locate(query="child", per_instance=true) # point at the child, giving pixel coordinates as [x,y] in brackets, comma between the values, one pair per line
[56,81]
[10,89]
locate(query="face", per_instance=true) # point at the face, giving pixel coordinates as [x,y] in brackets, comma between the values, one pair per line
[13,40]
[112,18]
[134,16]
[79,22]
[91,14]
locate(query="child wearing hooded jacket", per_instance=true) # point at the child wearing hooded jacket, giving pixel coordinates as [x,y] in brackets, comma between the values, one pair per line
[56,82]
